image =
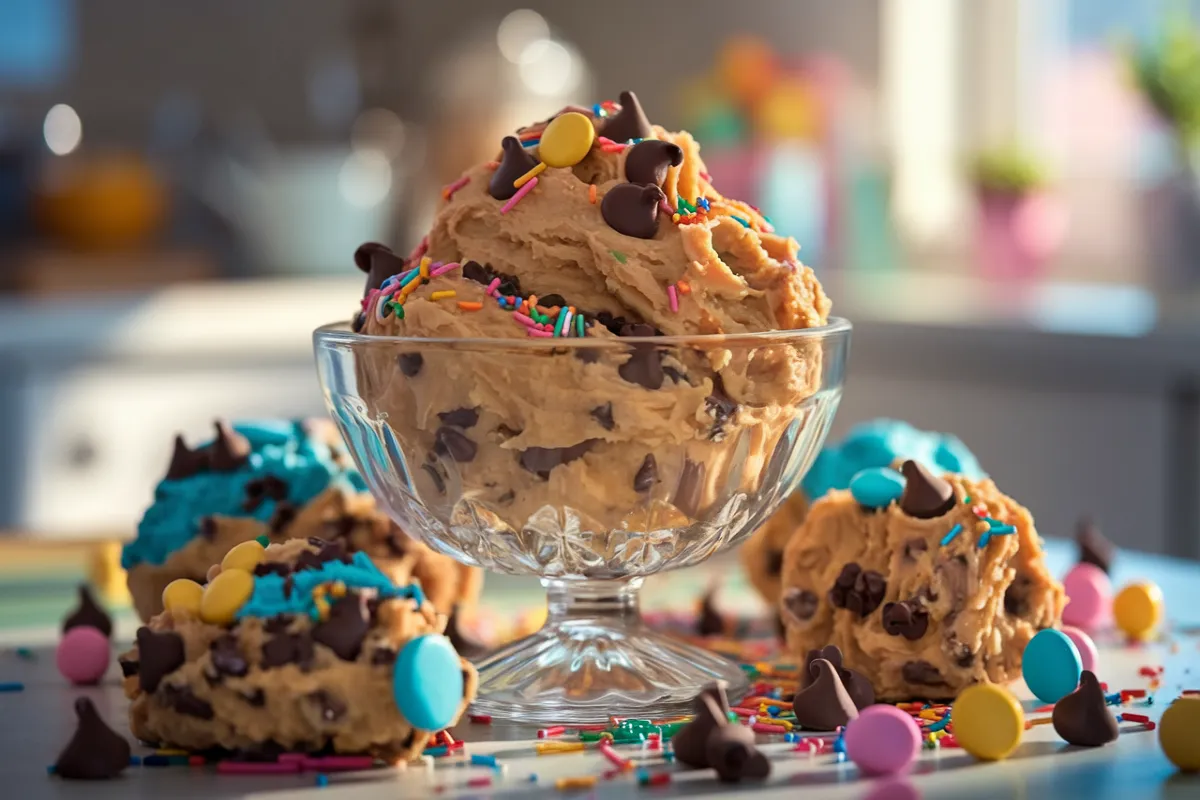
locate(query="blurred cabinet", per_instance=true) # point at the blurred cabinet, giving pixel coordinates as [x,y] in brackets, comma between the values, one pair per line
[1060,453]
[92,442]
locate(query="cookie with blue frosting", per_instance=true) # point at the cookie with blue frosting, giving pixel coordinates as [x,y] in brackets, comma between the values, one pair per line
[877,443]
[274,481]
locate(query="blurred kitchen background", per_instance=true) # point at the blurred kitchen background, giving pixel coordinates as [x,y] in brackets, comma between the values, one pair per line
[1000,194]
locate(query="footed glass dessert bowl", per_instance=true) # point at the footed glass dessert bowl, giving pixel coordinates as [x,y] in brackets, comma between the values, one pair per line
[590,463]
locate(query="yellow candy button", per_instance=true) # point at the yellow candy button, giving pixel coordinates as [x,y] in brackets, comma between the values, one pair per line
[566,140]
[246,556]
[1137,609]
[1179,733]
[182,595]
[225,595]
[988,721]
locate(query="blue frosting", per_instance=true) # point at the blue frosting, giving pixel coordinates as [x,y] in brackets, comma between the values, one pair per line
[282,449]
[879,443]
[269,599]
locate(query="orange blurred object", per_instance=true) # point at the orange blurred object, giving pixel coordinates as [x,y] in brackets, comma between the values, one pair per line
[747,68]
[789,110]
[101,203]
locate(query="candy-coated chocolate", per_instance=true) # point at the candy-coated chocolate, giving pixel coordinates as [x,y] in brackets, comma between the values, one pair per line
[877,487]
[225,596]
[183,595]
[988,721]
[883,740]
[427,682]
[1138,609]
[1051,665]
[245,556]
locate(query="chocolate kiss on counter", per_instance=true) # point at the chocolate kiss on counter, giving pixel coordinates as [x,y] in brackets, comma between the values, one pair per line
[732,753]
[628,123]
[379,262]
[710,622]
[229,450]
[647,162]
[96,752]
[1094,548]
[856,684]
[632,209]
[825,705]
[514,162]
[691,742]
[1082,717]
[925,495]
[89,613]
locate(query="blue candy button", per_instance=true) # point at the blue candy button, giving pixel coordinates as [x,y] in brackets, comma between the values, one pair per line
[427,682]
[1051,665]
[876,487]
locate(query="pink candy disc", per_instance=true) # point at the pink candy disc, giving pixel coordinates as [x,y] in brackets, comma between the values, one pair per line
[1084,644]
[83,655]
[1089,597]
[883,740]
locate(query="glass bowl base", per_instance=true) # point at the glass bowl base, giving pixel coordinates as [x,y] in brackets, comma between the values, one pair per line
[595,658]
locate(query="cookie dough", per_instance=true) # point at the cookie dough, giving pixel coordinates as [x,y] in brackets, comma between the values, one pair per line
[876,443]
[924,604]
[314,657]
[638,438]
[284,480]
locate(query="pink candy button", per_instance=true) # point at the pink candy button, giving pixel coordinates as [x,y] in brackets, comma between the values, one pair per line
[1084,644]
[883,740]
[1089,597]
[83,655]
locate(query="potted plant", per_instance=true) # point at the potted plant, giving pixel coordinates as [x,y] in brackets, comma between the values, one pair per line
[1021,222]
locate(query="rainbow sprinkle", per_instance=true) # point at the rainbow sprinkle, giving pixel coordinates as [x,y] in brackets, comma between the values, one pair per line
[516,198]
[673,298]
[448,191]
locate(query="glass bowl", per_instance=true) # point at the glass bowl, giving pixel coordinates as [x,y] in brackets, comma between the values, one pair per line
[589,463]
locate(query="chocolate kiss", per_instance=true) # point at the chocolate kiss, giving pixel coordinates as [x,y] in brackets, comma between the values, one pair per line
[825,705]
[632,209]
[691,742]
[514,162]
[856,684]
[647,162]
[1082,718]
[925,495]
[628,123]
[379,262]
[159,654]
[95,752]
[230,449]
[731,752]
[89,613]
[186,462]
[1094,548]
[710,623]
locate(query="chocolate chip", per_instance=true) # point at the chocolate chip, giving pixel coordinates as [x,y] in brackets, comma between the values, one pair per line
[438,483]
[773,563]
[474,271]
[341,527]
[603,416]
[690,491]
[344,630]
[906,619]
[128,668]
[229,450]
[283,516]
[514,162]
[278,623]
[307,560]
[272,568]
[410,364]
[184,701]
[551,300]
[647,162]
[331,708]
[721,407]
[185,462]
[628,123]
[159,654]
[288,648]
[1016,596]
[1094,548]
[922,673]
[926,495]
[541,460]
[256,698]
[208,527]
[460,417]
[359,322]
[453,442]
[913,548]
[88,614]
[96,751]
[267,487]
[226,656]
[644,367]
[675,375]
[858,591]
[333,551]
[588,355]
[710,622]
[384,656]
[632,210]
[963,656]
[647,475]
[800,604]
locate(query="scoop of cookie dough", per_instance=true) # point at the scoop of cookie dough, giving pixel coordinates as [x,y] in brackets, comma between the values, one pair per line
[876,443]
[923,607]
[632,438]
[317,654]
[278,480]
